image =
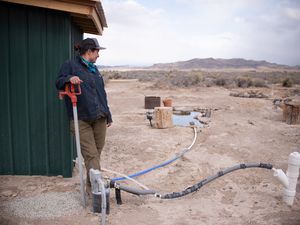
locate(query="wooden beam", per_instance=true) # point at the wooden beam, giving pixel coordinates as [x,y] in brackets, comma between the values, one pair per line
[86,23]
[94,16]
[101,14]
[56,5]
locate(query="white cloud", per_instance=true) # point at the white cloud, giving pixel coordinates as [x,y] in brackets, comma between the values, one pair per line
[135,33]
[293,13]
[130,14]
[145,34]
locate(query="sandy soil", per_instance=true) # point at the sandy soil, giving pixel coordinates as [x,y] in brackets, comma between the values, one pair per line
[241,130]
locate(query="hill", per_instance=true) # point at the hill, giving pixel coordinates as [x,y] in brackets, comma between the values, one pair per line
[212,63]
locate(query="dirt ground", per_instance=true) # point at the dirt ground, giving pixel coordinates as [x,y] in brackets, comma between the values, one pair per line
[241,130]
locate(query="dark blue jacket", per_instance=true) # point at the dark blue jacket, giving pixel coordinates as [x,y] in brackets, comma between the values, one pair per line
[92,103]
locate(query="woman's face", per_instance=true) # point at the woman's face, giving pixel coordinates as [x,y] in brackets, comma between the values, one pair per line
[92,55]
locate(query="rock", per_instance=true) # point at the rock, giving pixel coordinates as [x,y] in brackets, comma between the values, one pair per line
[246,95]
[7,193]
[250,122]
[249,94]
[204,120]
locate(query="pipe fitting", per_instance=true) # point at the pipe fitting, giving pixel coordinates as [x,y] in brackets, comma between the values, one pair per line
[100,193]
[280,175]
[292,176]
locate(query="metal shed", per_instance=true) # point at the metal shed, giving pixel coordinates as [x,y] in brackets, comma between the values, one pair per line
[37,36]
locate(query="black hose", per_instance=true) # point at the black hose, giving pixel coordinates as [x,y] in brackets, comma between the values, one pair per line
[193,188]
[197,186]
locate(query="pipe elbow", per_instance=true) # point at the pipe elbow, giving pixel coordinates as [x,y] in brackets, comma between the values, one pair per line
[282,177]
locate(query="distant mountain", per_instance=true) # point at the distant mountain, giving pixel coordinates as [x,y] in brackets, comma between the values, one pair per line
[211,63]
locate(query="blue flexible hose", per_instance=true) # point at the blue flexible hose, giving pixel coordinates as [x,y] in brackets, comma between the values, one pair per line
[152,168]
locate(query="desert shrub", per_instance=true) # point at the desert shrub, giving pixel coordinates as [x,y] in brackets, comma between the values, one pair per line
[278,77]
[116,75]
[257,82]
[220,81]
[196,78]
[182,79]
[185,80]
[193,78]
[287,82]
[209,82]
[244,82]
[295,78]
[111,74]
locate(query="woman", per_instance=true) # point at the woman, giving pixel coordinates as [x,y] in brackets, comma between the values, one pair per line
[93,112]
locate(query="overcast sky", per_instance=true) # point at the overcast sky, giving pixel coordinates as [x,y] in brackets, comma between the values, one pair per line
[143,32]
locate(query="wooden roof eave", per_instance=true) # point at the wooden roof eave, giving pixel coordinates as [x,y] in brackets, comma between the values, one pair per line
[90,10]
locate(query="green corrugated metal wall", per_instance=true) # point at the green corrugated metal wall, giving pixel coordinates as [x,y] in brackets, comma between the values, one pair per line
[34,129]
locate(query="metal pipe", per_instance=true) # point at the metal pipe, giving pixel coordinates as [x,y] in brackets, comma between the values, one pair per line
[72,90]
[79,156]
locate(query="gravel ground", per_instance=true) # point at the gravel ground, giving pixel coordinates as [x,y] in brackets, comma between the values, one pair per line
[48,205]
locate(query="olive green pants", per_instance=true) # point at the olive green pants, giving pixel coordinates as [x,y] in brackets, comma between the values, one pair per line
[92,139]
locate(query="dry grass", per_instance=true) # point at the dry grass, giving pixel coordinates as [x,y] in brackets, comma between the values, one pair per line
[194,78]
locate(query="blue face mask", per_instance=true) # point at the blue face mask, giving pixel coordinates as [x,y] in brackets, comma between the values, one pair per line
[91,67]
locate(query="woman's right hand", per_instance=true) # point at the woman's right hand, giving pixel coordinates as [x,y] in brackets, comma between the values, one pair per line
[75,80]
